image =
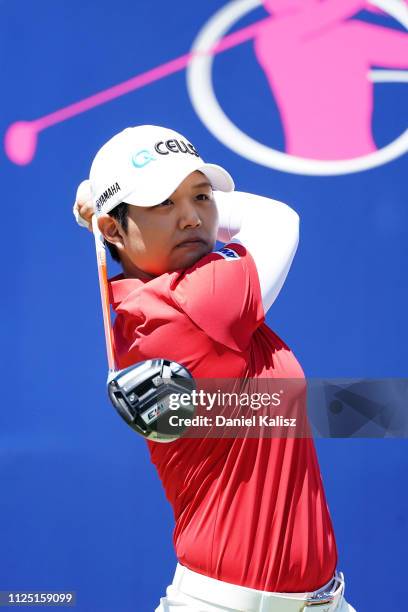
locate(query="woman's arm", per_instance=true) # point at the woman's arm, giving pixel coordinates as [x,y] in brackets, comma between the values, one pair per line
[269,229]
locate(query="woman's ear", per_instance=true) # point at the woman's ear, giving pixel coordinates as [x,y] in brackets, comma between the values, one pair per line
[111,230]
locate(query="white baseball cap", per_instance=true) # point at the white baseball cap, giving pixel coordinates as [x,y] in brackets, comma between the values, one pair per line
[143,165]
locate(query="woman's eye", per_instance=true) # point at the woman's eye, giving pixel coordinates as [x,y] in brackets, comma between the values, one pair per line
[203,196]
[166,203]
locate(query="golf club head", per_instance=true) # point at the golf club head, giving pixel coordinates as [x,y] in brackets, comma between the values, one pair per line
[142,394]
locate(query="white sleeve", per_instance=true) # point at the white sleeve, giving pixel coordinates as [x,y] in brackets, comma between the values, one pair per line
[269,229]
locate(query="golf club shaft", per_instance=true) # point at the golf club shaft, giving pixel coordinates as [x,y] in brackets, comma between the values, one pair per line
[103,286]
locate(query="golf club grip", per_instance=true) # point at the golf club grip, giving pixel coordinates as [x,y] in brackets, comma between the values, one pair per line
[103,286]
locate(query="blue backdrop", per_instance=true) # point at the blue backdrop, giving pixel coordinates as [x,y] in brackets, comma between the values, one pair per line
[81,507]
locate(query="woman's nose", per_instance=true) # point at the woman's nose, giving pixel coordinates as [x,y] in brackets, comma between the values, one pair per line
[189,217]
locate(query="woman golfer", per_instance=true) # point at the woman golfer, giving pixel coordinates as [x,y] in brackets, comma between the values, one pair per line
[252,531]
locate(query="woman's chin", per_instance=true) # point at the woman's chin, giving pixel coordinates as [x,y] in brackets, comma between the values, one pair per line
[189,257]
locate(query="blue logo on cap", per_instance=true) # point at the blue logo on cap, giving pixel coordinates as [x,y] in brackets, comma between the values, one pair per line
[142,158]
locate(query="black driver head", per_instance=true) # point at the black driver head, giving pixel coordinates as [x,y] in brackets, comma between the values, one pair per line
[143,396]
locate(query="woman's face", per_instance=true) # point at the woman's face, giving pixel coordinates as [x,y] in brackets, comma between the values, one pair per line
[155,241]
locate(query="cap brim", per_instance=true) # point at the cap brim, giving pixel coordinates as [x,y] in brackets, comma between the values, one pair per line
[219,178]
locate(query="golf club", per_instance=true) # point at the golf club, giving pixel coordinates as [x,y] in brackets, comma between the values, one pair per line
[142,392]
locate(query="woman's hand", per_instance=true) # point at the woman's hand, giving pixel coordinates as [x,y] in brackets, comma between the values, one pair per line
[83,208]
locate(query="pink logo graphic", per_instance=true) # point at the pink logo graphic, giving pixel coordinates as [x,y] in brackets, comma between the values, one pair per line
[316,61]
[319,64]
[21,138]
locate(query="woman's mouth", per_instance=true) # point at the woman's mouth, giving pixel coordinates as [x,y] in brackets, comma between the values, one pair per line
[191,243]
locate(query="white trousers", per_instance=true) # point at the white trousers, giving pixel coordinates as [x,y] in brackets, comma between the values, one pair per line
[221,593]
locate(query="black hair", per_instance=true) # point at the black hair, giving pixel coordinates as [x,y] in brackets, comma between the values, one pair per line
[120,213]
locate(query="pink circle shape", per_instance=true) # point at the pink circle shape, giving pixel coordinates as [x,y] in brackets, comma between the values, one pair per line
[20,142]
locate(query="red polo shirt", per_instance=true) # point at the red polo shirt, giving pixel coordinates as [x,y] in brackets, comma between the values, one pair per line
[248,511]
